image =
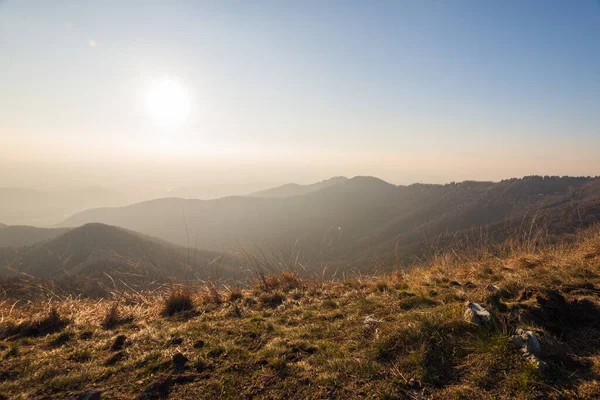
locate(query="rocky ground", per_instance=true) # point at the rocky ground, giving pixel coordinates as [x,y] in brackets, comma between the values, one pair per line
[521,324]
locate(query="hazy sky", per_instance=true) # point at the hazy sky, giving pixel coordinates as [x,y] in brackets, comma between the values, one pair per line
[281,91]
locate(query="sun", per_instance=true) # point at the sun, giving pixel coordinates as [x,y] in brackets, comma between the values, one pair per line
[168,102]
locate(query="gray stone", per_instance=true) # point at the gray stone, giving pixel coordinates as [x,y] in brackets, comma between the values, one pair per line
[535,361]
[476,314]
[517,341]
[528,343]
[532,343]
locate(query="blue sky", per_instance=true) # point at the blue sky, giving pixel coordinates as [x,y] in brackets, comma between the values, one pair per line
[406,90]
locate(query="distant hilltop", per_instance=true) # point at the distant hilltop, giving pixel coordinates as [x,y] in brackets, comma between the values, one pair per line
[294,189]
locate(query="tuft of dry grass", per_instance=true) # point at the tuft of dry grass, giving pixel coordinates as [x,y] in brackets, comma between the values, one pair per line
[284,281]
[381,285]
[272,299]
[179,300]
[210,295]
[112,317]
[235,294]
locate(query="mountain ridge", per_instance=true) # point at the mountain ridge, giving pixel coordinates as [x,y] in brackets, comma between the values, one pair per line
[294,189]
[23,235]
[362,217]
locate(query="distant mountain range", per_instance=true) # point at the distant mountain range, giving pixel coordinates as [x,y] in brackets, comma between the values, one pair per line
[111,254]
[20,206]
[16,235]
[38,207]
[351,221]
[294,189]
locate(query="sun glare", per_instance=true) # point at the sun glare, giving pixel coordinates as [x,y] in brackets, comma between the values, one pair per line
[168,103]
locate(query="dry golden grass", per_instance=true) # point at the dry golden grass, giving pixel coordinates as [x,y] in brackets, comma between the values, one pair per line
[210,295]
[400,335]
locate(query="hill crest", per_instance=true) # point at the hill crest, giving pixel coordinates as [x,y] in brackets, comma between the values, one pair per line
[103,252]
[294,189]
[23,235]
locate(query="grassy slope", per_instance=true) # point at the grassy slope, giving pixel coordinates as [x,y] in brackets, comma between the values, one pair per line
[288,338]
